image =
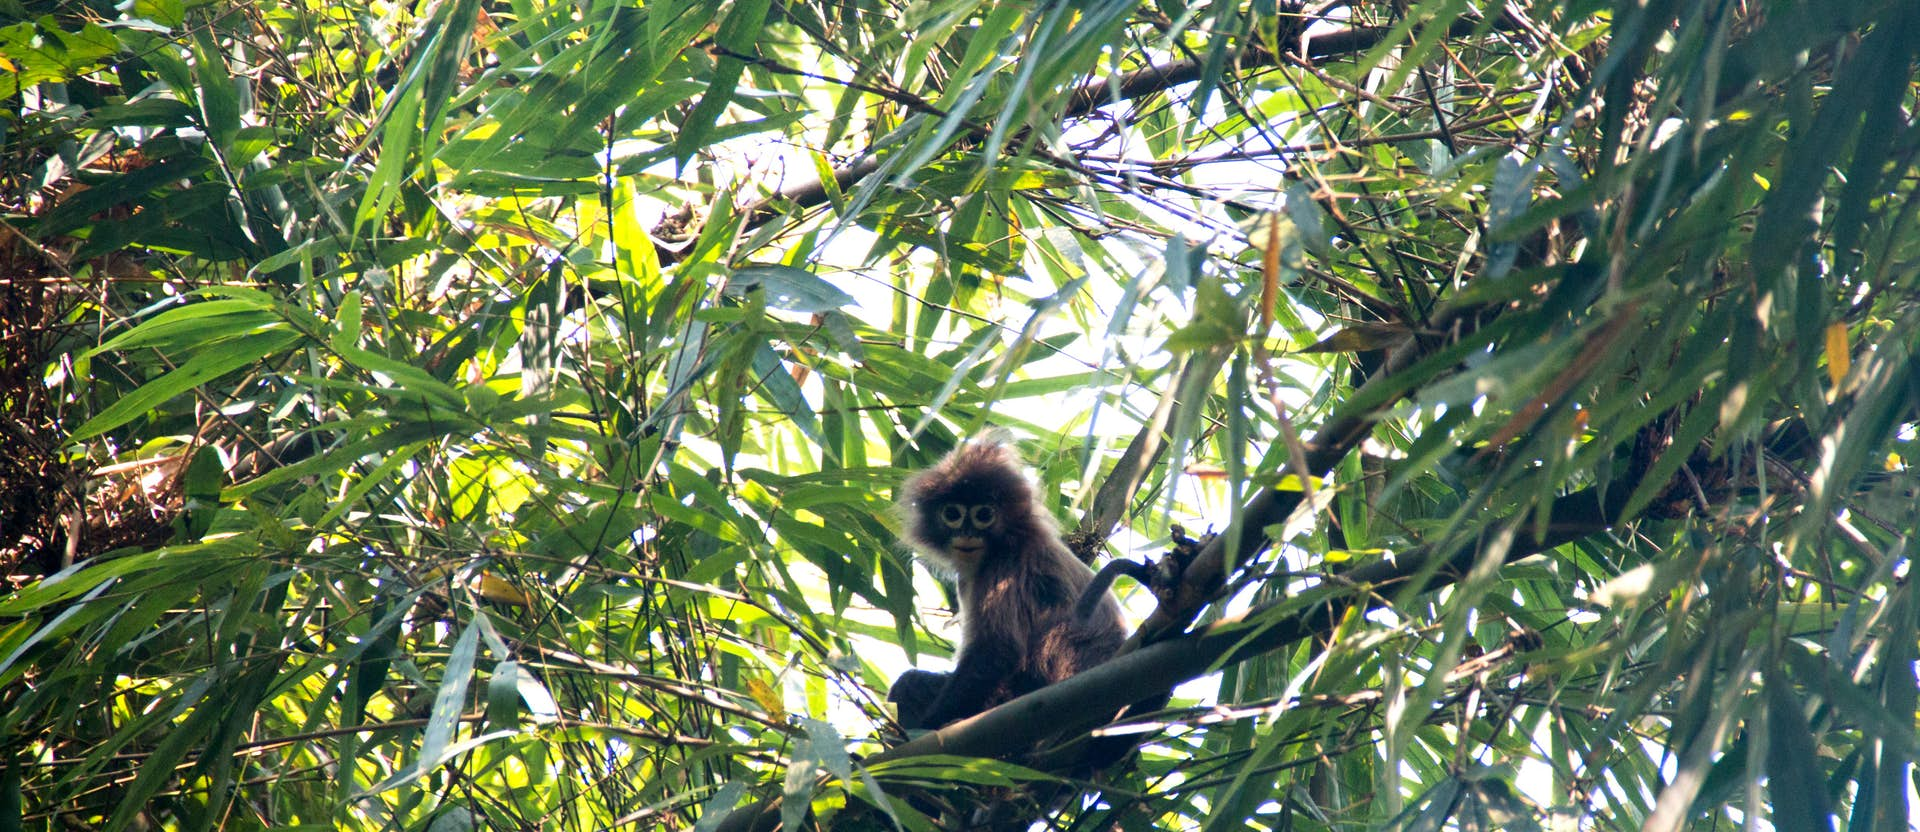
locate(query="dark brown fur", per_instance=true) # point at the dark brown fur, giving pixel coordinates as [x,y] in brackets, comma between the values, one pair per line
[975,517]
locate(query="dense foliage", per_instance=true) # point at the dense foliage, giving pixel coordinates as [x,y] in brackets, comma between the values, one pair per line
[484,413]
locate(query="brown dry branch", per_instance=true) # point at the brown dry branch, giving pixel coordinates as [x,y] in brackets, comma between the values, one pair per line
[1088,98]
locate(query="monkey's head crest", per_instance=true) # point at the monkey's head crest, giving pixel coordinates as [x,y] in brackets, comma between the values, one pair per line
[972,505]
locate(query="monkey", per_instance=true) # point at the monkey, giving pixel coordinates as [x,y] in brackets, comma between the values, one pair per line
[1024,623]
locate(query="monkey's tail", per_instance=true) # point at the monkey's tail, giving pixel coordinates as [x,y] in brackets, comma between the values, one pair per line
[1097,588]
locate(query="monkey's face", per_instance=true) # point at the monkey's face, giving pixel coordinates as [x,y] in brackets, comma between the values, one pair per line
[971,508]
[964,531]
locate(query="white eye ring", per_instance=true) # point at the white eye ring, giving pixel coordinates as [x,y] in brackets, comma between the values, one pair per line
[983,516]
[952,516]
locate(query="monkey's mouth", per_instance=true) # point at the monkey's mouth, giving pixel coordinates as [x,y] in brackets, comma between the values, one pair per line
[967,547]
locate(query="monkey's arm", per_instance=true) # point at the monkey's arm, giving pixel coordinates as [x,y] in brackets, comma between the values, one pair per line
[913,692]
[984,664]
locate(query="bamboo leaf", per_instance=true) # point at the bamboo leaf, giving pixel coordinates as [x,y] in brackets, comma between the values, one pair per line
[191,374]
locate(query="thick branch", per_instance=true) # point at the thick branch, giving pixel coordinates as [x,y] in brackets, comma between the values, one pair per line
[1080,702]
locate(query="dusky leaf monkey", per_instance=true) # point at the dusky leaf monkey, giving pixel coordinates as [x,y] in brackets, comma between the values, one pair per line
[1027,619]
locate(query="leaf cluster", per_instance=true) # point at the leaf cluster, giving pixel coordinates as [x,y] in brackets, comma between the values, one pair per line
[484,414]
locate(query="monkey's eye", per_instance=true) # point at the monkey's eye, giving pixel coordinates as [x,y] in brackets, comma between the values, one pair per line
[952,515]
[983,516]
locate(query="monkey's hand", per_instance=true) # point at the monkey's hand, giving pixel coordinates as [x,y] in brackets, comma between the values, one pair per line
[914,693]
[1168,571]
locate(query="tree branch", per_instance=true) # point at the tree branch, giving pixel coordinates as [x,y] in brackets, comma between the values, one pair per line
[1206,575]
[1083,101]
[1156,660]
[1109,504]
[1081,702]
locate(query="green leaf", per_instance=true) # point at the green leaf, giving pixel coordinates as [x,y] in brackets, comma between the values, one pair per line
[146,112]
[41,52]
[739,33]
[449,704]
[401,123]
[196,371]
[714,811]
[503,696]
[410,378]
[219,104]
[789,288]
[1796,785]
[190,325]
[971,770]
